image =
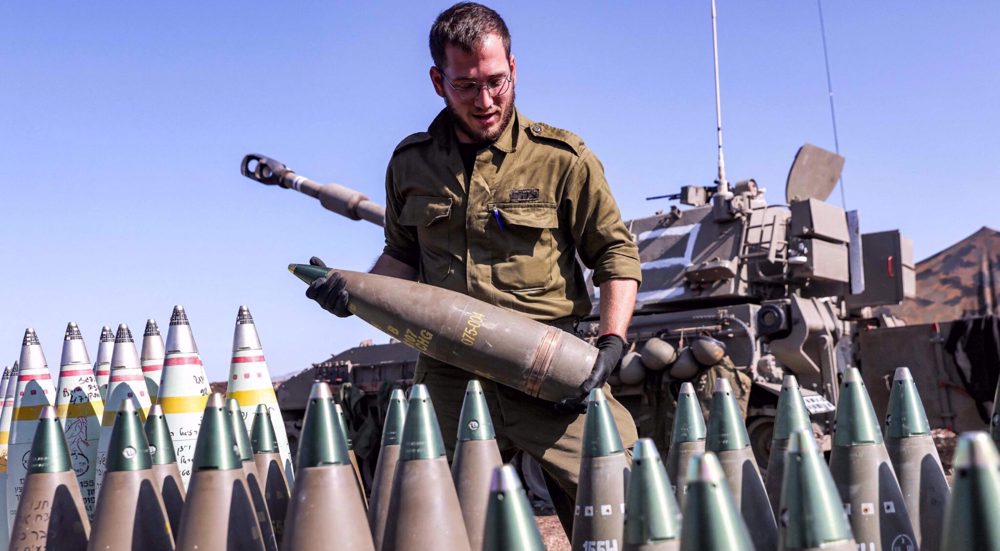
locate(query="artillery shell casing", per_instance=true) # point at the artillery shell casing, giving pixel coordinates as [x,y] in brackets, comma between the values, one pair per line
[50,514]
[486,340]
[323,495]
[129,509]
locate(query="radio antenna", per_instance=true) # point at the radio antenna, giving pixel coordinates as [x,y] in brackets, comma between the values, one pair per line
[829,89]
[723,183]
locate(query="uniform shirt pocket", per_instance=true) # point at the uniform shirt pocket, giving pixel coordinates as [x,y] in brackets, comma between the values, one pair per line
[523,245]
[430,218]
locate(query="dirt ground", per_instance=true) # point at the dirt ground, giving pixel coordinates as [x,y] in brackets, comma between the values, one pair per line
[555,538]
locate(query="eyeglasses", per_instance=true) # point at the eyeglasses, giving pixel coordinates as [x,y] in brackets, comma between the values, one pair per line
[469,89]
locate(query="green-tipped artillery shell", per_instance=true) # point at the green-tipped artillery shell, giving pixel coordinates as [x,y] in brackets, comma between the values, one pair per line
[792,417]
[726,427]
[483,339]
[239,430]
[687,439]
[604,471]
[216,448]
[385,470]
[652,517]
[129,505]
[863,473]
[916,462]
[423,492]
[421,432]
[166,472]
[972,518]
[476,456]
[322,441]
[711,521]
[811,514]
[856,422]
[49,452]
[475,422]
[218,512]
[128,449]
[263,515]
[161,446]
[262,436]
[728,439]
[510,522]
[50,514]
[600,433]
[268,461]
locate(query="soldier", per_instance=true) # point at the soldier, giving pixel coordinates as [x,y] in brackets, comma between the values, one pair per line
[491,204]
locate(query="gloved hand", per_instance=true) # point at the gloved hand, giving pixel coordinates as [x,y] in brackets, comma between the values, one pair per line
[329,291]
[610,349]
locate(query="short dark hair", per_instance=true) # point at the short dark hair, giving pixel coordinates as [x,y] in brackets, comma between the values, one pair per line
[465,25]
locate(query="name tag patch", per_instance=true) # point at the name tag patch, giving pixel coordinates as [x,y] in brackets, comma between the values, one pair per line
[524,195]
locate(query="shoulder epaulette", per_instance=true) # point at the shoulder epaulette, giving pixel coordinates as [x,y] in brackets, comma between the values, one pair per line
[551,133]
[412,139]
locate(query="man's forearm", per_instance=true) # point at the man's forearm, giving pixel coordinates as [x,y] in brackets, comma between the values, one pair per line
[389,266]
[617,303]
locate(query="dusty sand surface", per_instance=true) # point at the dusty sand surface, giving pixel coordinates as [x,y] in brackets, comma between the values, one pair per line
[552,533]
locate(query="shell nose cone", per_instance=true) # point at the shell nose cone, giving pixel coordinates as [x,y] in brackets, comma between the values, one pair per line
[856,423]
[852,375]
[789,381]
[244,316]
[74,350]
[123,334]
[320,390]
[106,334]
[902,374]
[421,432]
[976,449]
[645,449]
[419,392]
[801,441]
[596,395]
[48,412]
[151,328]
[30,338]
[722,385]
[505,479]
[73,332]
[600,432]
[262,436]
[178,316]
[216,401]
[705,468]
[475,422]
[245,335]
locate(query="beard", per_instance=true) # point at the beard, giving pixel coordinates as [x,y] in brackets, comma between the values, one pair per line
[483,136]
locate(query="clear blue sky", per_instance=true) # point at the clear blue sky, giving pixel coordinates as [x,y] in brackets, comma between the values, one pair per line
[122,126]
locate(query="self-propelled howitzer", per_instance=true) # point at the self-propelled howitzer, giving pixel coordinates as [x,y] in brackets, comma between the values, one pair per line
[771,287]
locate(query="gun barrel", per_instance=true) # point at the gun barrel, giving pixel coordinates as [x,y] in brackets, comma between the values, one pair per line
[334,197]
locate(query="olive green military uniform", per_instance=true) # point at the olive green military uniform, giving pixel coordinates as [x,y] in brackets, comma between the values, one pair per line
[535,200]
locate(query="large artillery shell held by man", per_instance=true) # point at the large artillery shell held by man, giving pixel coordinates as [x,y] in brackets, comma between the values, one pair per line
[488,341]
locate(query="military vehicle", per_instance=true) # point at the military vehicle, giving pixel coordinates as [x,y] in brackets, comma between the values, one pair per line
[776,287]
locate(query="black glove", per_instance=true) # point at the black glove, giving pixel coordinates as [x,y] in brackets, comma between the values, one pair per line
[610,349]
[329,291]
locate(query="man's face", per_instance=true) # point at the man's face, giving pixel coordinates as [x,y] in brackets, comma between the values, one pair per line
[483,117]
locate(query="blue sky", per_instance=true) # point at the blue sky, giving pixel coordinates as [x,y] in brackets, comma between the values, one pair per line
[122,126]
